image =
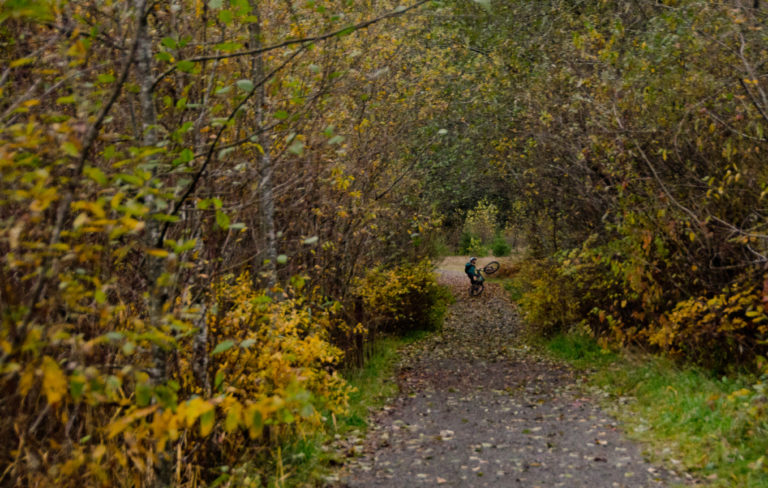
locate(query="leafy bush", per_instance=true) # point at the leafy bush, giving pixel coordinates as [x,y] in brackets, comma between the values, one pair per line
[477,248]
[255,373]
[617,292]
[500,247]
[403,298]
[465,242]
[725,330]
[548,304]
[481,221]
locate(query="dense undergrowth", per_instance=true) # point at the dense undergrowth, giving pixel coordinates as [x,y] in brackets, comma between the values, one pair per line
[311,460]
[192,200]
[610,291]
[623,143]
[715,427]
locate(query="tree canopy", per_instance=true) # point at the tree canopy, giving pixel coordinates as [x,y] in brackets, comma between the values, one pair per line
[206,207]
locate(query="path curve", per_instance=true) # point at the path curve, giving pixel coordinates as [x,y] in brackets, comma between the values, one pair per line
[477,408]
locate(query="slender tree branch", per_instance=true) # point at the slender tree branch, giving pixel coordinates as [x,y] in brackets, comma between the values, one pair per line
[212,147]
[303,41]
[90,139]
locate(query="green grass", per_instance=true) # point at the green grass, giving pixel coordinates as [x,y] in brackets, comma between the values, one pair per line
[580,351]
[373,384]
[714,427]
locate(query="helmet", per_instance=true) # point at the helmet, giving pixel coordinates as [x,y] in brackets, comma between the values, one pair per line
[472,259]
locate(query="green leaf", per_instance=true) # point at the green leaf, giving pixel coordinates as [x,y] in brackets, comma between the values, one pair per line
[169,42]
[95,174]
[114,336]
[66,100]
[70,149]
[206,422]
[229,46]
[296,148]
[186,155]
[185,66]
[336,140]
[226,16]
[216,4]
[143,394]
[245,85]
[282,259]
[311,240]
[204,204]
[346,31]
[222,90]
[222,347]
[163,56]
[218,380]
[76,386]
[486,4]
[222,220]
[281,115]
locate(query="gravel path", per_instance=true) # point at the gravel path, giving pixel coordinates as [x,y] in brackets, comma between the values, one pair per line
[478,408]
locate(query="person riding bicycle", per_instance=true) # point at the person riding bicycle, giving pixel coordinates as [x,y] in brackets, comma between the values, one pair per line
[471,269]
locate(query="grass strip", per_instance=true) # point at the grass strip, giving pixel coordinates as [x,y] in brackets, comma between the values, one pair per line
[714,427]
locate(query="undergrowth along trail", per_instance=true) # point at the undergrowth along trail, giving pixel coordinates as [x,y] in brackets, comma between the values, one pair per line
[477,407]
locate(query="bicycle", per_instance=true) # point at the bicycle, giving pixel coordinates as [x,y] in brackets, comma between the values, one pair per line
[477,286]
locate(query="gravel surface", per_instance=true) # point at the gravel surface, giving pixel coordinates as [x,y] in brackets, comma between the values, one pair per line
[478,408]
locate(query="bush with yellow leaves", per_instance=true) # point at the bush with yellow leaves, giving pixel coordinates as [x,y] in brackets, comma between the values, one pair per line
[255,373]
[403,298]
[721,331]
[614,291]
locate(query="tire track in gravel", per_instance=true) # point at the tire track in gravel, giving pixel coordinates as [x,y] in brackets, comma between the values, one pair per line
[477,408]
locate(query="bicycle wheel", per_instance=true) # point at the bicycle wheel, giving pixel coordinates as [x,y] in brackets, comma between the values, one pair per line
[491,267]
[476,289]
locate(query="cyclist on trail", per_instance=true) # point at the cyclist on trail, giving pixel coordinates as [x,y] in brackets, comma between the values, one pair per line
[471,269]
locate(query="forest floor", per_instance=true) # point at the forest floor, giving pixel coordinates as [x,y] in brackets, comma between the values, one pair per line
[477,407]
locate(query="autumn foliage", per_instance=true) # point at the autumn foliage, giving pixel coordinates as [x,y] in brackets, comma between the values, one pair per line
[625,143]
[189,192]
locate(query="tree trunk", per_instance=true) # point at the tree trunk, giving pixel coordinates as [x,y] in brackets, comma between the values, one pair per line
[264,168]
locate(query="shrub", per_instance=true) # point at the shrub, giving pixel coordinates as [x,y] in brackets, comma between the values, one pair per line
[476,248]
[403,299]
[465,242]
[724,330]
[256,372]
[481,221]
[500,247]
[548,304]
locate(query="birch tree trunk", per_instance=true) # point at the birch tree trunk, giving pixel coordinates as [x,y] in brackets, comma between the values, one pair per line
[264,168]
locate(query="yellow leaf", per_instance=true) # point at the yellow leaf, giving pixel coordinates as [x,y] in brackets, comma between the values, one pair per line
[194,409]
[158,253]
[21,62]
[54,381]
[99,451]
[206,422]
[26,381]
[233,417]
[123,423]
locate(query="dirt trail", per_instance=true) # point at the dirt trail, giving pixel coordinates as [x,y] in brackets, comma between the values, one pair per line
[477,408]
